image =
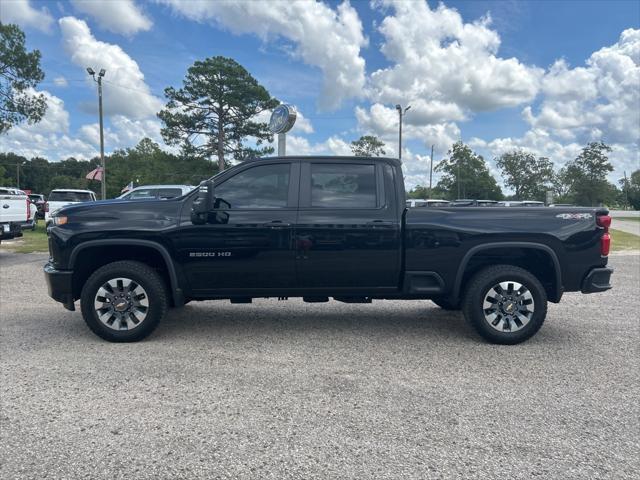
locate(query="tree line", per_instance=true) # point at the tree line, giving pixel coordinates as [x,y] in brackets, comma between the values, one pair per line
[582,181]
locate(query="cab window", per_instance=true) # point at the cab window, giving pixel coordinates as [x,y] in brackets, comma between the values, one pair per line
[343,185]
[264,186]
[142,194]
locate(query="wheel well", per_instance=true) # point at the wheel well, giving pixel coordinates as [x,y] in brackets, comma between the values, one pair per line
[91,258]
[536,261]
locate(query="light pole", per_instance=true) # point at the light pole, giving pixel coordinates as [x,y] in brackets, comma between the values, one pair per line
[431,171]
[401,114]
[92,72]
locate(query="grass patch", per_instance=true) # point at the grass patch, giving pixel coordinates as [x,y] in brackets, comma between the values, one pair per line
[31,241]
[627,219]
[621,241]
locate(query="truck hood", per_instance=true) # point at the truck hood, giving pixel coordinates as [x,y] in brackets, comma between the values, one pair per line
[122,214]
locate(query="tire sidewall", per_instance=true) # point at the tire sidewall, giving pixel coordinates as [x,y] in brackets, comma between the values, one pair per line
[153,289]
[479,288]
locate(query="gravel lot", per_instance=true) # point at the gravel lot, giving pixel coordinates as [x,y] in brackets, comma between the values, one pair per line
[293,390]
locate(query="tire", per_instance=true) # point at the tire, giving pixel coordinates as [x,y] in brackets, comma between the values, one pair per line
[500,321]
[446,304]
[141,298]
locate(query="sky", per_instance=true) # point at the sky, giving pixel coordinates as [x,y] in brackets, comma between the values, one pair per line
[542,76]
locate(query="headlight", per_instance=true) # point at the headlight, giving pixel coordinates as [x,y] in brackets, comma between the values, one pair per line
[60,220]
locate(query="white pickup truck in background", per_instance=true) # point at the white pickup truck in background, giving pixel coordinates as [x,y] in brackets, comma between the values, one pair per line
[62,197]
[15,211]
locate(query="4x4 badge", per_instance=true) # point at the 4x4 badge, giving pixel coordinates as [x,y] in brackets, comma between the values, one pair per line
[574,216]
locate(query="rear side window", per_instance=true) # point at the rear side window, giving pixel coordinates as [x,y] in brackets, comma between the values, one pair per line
[264,186]
[70,197]
[343,185]
[164,193]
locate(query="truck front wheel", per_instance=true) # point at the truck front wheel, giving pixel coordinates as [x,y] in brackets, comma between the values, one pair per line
[123,301]
[505,304]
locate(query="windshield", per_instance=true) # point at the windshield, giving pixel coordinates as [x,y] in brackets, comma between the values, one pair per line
[70,197]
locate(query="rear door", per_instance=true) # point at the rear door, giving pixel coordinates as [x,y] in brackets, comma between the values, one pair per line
[348,231]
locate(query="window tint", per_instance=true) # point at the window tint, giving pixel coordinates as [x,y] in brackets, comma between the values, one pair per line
[143,193]
[165,193]
[265,186]
[343,185]
[70,197]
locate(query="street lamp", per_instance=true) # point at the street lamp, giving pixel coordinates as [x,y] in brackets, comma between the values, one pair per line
[401,114]
[92,72]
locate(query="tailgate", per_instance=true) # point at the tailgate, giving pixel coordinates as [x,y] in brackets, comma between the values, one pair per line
[13,208]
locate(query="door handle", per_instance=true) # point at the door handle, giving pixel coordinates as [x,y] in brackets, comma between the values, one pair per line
[276,224]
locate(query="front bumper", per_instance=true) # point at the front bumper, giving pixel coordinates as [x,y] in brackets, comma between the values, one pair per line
[60,285]
[597,280]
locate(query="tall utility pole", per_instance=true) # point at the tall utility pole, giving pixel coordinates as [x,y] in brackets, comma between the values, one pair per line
[431,171]
[626,191]
[458,179]
[401,114]
[92,72]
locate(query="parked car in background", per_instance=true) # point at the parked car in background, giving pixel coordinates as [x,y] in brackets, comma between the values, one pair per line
[156,192]
[510,203]
[431,202]
[532,203]
[39,201]
[562,205]
[62,197]
[15,210]
[467,202]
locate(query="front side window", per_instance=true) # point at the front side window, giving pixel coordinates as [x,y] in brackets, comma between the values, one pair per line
[142,194]
[343,185]
[164,193]
[264,186]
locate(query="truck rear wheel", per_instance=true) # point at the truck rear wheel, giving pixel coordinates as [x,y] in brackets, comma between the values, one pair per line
[505,304]
[123,301]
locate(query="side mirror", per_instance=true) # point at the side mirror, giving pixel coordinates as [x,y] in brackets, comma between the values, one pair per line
[204,203]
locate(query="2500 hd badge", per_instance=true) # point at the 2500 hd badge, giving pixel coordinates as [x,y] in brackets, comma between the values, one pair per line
[321,228]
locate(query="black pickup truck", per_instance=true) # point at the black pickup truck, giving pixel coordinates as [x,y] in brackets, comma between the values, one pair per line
[320,228]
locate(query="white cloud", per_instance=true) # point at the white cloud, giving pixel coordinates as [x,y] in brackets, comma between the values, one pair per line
[125,91]
[334,145]
[22,13]
[48,138]
[599,101]
[327,38]
[118,16]
[383,122]
[60,82]
[446,67]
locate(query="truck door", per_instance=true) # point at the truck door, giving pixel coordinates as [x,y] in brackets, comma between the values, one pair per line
[249,244]
[348,231]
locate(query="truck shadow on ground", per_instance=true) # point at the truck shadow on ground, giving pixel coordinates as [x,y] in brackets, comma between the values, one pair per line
[217,319]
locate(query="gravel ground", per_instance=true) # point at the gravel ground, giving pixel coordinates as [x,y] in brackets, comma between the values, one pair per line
[278,390]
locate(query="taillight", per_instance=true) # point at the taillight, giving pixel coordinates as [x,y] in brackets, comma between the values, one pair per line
[605,244]
[604,221]
[46,206]
[28,210]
